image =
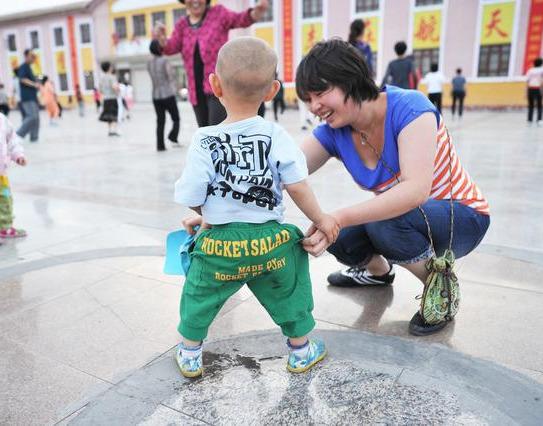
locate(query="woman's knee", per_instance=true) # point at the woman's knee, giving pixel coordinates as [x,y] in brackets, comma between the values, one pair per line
[352,246]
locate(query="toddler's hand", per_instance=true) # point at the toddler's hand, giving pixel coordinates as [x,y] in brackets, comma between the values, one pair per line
[21,161]
[329,226]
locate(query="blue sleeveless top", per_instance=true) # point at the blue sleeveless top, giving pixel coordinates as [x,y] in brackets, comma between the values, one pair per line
[403,106]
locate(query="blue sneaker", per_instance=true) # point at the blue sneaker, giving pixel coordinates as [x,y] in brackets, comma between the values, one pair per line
[316,353]
[189,366]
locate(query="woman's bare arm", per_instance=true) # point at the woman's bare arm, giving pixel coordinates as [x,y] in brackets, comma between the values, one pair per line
[316,156]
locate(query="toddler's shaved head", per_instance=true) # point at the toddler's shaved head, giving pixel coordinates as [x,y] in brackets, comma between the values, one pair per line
[246,67]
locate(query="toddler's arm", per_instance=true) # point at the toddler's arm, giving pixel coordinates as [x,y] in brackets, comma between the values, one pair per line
[304,198]
[15,148]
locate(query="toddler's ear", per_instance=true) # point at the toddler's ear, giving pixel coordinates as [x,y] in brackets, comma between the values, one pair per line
[215,83]
[273,91]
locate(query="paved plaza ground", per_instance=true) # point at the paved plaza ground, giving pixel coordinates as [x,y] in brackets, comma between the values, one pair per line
[88,319]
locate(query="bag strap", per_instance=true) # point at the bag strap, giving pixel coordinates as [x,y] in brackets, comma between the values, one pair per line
[427,222]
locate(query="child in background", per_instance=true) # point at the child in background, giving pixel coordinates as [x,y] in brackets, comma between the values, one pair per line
[110,90]
[49,101]
[10,150]
[233,177]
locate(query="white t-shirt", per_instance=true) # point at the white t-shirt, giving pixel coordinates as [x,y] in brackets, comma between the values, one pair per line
[535,77]
[235,171]
[434,81]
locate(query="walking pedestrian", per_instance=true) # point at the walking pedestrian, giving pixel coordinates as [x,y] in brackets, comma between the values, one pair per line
[356,38]
[534,78]
[163,80]
[434,81]
[458,92]
[401,71]
[29,87]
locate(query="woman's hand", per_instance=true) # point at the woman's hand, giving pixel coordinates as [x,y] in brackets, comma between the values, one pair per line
[159,33]
[259,10]
[315,242]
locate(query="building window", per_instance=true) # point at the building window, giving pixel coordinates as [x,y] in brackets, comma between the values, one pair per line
[178,14]
[34,40]
[63,82]
[424,58]
[84,29]
[59,37]
[12,44]
[158,17]
[494,60]
[427,2]
[312,8]
[89,80]
[120,27]
[366,5]
[138,22]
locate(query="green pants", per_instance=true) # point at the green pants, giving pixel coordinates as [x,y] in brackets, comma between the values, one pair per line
[6,203]
[267,257]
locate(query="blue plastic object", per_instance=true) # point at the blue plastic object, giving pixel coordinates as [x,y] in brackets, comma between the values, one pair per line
[177,252]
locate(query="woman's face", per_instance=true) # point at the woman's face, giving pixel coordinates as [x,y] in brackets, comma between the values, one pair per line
[330,106]
[195,8]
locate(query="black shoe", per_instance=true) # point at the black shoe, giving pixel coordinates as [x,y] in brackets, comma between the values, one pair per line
[418,327]
[359,276]
[161,149]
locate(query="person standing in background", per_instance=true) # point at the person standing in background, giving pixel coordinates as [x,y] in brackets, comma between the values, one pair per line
[110,90]
[434,81]
[80,101]
[163,80]
[29,87]
[401,71]
[97,97]
[534,78]
[16,92]
[458,92]
[49,100]
[198,37]
[279,99]
[4,101]
[356,38]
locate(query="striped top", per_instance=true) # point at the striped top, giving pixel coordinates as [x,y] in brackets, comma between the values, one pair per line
[403,106]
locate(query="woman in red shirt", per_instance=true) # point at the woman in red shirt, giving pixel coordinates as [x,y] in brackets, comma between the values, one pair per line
[198,37]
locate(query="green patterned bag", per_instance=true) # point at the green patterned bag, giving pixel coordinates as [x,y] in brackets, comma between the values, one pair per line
[441,297]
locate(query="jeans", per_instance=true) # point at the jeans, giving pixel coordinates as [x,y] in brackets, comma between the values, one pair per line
[161,106]
[534,99]
[404,239]
[31,120]
[458,96]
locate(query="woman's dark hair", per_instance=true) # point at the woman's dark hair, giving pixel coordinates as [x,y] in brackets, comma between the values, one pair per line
[458,71]
[433,67]
[538,62]
[400,48]
[335,63]
[357,29]
[105,66]
[155,48]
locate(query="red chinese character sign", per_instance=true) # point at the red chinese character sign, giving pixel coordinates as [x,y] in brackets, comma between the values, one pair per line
[534,35]
[427,29]
[497,23]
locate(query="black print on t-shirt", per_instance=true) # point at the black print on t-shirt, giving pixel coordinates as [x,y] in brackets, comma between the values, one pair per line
[250,155]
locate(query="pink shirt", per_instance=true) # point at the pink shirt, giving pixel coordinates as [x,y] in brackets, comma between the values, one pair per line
[211,36]
[10,146]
